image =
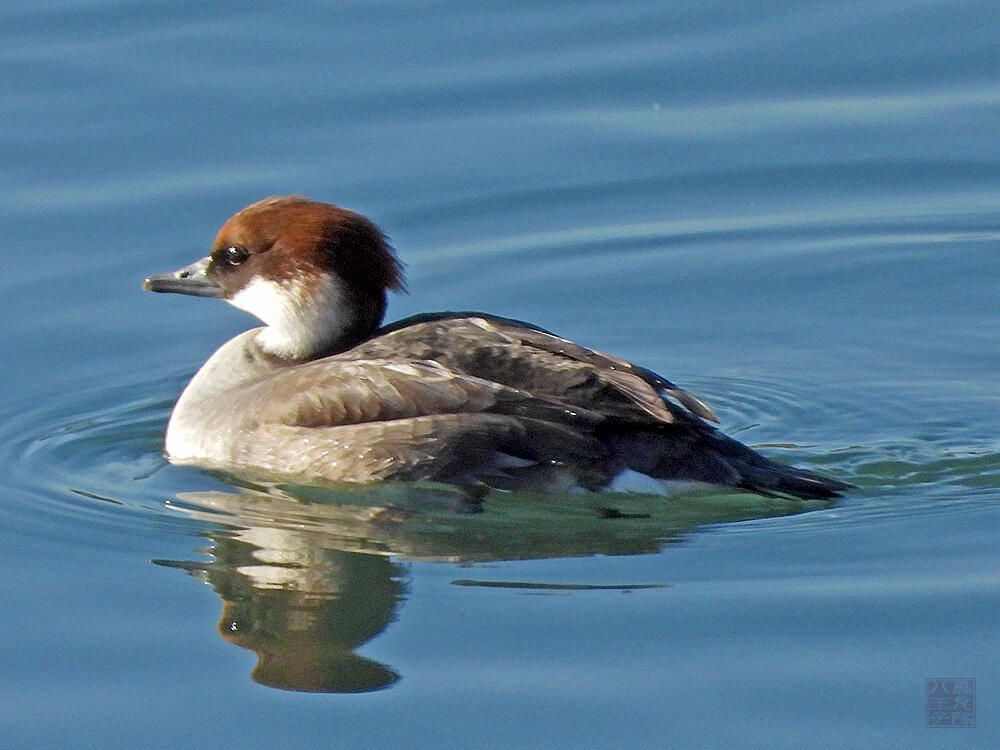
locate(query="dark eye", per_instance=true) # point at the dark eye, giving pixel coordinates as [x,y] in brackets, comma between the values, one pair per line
[234,255]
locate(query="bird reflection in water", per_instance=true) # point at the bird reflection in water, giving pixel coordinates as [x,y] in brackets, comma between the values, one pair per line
[302,608]
[308,576]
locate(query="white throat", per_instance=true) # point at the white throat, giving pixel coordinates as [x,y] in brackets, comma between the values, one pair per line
[301,320]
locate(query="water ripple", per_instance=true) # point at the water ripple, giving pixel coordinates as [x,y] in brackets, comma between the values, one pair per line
[88,456]
[94,456]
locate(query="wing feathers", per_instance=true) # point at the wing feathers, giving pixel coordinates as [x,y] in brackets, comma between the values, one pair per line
[332,392]
[519,370]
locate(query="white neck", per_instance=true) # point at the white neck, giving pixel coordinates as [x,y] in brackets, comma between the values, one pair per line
[301,322]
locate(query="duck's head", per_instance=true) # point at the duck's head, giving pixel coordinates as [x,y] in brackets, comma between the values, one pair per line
[314,273]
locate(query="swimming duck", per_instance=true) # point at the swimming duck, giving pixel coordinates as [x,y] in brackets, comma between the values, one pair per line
[324,390]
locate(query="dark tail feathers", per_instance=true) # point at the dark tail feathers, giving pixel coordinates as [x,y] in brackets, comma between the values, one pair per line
[717,459]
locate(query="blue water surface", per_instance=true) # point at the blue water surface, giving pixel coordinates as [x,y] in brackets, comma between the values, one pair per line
[790,209]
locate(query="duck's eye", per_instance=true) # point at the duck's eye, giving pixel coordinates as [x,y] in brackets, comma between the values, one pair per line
[234,255]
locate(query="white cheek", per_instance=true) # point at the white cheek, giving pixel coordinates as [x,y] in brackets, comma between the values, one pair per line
[299,322]
[264,299]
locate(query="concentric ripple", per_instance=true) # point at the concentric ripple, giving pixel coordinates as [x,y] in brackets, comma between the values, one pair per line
[88,456]
[93,456]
